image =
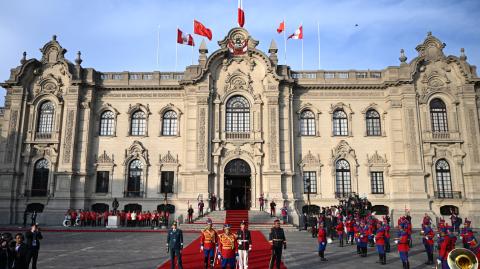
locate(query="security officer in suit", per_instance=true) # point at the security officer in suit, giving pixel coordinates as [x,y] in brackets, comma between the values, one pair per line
[33,244]
[277,241]
[175,245]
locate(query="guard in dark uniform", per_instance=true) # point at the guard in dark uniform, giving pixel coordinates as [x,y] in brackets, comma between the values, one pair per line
[175,245]
[244,240]
[278,241]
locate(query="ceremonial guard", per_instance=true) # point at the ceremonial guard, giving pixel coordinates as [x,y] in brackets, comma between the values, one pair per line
[244,240]
[363,239]
[466,233]
[427,239]
[387,237]
[322,241]
[446,243]
[208,243]
[474,246]
[403,246]
[175,245]
[380,243]
[426,220]
[227,245]
[201,205]
[261,201]
[278,241]
[350,223]
[340,231]
[272,209]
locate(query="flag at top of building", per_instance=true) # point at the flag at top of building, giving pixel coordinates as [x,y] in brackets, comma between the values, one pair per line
[241,14]
[298,34]
[200,29]
[281,27]
[185,39]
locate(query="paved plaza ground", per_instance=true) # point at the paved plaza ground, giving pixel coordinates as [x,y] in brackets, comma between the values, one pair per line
[146,250]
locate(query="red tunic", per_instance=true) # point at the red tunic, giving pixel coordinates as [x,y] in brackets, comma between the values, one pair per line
[380,237]
[403,243]
[340,228]
[322,236]
[227,245]
[208,239]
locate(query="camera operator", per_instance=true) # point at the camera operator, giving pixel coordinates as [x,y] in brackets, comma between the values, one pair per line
[33,244]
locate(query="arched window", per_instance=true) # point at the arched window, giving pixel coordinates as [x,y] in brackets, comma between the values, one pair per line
[343,181]
[438,112]
[238,115]
[45,118]
[340,123]
[373,123]
[40,178]
[106,123]
[169,123]
[307,123]
[135,172]
[139,123]
[444,181]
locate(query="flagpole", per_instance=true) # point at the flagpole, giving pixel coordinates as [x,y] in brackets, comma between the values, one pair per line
[158,47]
[301,25]
[176,53]
[285,39]
[318,35]
[193,45]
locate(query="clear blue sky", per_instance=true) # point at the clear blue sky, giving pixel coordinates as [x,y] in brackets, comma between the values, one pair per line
[116,35]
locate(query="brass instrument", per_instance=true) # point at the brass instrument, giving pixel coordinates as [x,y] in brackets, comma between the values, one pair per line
[461,258]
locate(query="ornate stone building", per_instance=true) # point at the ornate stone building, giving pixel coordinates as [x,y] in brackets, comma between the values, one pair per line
[239,124]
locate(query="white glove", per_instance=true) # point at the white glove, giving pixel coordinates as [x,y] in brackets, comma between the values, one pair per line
[396,241]
[201,248]
[374,240]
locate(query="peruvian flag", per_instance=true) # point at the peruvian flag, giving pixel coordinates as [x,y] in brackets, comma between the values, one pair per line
[241,14]
[200,29]
[281,27]
[185,39]
[298,33]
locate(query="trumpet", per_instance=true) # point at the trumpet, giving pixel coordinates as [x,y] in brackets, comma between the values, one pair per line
[461,258]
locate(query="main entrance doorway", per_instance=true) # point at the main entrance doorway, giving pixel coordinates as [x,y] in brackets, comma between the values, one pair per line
[237,182]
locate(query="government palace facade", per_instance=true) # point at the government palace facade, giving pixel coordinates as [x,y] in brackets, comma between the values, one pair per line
[238,124]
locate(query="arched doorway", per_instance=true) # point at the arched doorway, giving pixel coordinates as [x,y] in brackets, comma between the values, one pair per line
[237,185]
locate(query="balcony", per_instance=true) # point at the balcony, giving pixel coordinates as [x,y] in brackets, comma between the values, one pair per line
[448,195]
[341,195]
[43,136]
[134,194]
[37,193]
[447,136]
[235,135]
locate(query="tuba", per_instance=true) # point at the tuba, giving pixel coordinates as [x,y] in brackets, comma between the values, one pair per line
[461,258]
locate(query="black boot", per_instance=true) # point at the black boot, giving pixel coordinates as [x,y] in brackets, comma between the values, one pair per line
[430,258]
[379,258]
[319,254]
[358,250]
[212,263]
[404,264]
[407,265]
[205,262]
[323,257]
[384,258]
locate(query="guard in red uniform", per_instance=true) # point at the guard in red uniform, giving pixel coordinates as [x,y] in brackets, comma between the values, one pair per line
[363,239]
[322,241]
[446,243]
[380,243]
[208,242]
[350,231]
[340,230]
[427,239]
[466,233]
[403,246]
[227,248]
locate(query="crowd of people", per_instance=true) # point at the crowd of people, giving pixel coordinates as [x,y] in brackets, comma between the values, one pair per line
[21,250]
[127,218]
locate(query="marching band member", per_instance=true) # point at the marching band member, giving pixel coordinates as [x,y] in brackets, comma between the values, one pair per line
[466,233]
[208,243]
[380,243]
[340,230]
[428,236]
[403,246]
[322,241]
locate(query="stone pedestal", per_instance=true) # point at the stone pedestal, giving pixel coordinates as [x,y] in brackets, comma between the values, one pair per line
[113,222]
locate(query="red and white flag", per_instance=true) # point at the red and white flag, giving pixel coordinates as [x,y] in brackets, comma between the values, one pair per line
[298,34]
[241,14]
[200,29]
[185,39]
[281,27]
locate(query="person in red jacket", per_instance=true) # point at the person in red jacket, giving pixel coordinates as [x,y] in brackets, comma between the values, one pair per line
[350,231]
[129,218]
[387,237]
[208,242]
[340,230]
[446,243]
[427,239]
[403,246]
[380,243]
[227,248]
[363,239]
[322,241]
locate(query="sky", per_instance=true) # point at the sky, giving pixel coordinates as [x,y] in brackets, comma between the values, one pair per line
[121,35]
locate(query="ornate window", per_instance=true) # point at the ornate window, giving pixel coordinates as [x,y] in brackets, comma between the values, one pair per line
[45,118]
[107,120]
[307,123]
[438,112]
[373,123]
[40,178]
[167,182]
[340,123]
[309,182]
[343,179]
[377,182]
[444,180]
[169,127]
[139,123]
[103,179]
[135,172]
[238,115]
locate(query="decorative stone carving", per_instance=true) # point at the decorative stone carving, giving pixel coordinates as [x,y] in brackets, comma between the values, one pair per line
[11,136]
[45,150]
[376,159]
[52,52]
[201,143]
[238,81]
[431,48]
[168,158]
[138,106]
[49,84]
[68,136]
[104,158]
[310,160]
[136,150]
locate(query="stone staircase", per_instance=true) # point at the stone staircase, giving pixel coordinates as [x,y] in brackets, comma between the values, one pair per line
[258,220]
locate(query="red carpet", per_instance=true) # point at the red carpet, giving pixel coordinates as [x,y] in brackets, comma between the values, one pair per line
[259,257]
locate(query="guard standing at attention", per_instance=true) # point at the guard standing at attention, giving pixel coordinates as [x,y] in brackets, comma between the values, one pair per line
[227,245]
[277,239]
[244,240]
[208,243]
[175,245]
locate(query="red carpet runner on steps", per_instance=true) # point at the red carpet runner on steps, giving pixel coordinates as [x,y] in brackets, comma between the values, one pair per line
[259,256]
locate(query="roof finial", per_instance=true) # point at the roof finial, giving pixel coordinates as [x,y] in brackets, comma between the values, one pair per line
[429,33]
[463,57]
[79,60]
[54,37]
[402,58]
[24,58]
[203,47]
